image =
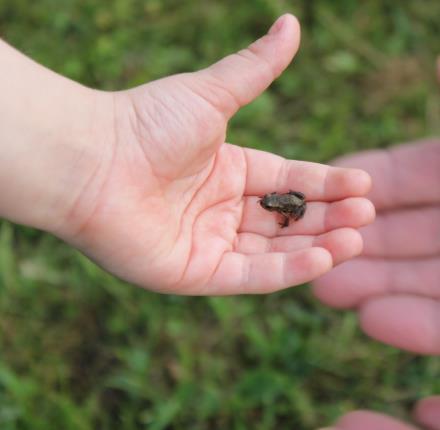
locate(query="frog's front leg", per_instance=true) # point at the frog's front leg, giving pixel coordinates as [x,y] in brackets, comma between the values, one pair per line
[300,213]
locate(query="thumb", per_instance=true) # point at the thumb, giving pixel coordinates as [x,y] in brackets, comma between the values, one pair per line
[239,78]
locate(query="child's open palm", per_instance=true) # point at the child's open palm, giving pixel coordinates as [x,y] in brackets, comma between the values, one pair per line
[174,208]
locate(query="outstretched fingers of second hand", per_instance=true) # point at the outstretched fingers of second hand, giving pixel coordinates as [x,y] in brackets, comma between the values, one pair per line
[267,272]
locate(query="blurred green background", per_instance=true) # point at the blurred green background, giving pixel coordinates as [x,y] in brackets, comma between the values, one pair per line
[80,349]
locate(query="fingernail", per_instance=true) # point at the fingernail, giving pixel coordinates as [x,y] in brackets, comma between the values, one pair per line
[277,25]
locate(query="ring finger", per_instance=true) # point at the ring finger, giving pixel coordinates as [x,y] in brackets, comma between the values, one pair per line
[343,243]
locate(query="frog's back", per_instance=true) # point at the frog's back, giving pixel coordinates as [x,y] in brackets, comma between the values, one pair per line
[290,201]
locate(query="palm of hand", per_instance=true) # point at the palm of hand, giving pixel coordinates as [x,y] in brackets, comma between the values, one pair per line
[194,188]
[170,198]
[175,207]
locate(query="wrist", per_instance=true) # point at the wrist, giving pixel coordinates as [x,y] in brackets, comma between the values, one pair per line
[52,141]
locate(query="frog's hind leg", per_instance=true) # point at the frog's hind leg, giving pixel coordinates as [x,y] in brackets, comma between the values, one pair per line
[297,194]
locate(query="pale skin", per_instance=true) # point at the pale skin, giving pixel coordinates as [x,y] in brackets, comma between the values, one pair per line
[426,415]
[143,182]
[395,284]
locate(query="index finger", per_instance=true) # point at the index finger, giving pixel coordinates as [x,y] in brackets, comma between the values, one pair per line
[268,172]
[403,175]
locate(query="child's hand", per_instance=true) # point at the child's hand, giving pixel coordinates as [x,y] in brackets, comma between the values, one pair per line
[396,283]
[170,206]
[176,209]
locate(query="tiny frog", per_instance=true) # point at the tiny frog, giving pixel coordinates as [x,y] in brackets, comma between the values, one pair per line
[290,205]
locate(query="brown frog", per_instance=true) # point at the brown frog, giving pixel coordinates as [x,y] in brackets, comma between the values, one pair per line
[290,205]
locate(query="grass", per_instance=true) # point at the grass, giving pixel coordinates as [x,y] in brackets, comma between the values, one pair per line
[82,350]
